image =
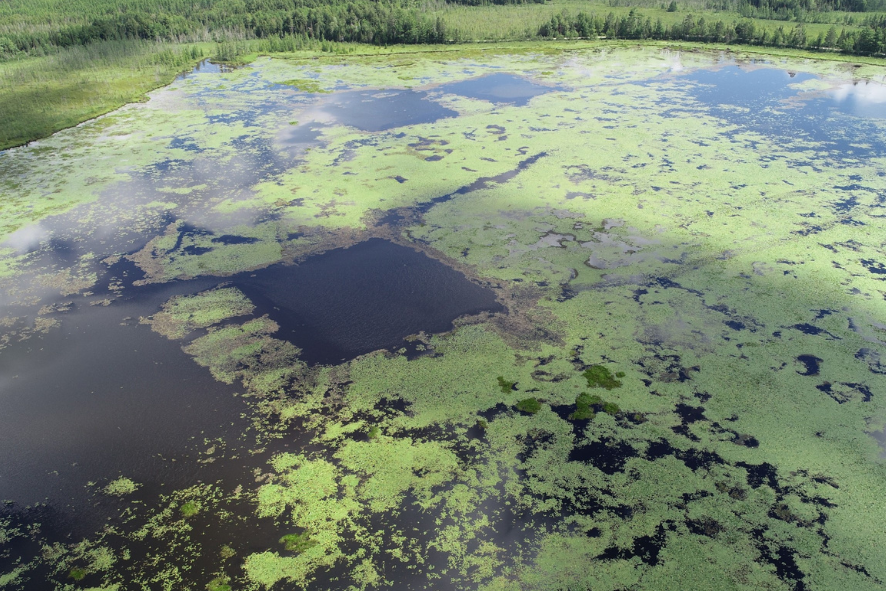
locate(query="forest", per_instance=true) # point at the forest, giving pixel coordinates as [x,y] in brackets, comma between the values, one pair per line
[38,27]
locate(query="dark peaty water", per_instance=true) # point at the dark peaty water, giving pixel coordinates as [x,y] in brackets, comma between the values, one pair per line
[101,397]
[370,296]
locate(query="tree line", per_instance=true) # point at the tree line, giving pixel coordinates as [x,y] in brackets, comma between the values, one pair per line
[362,21]
[868,40]
[384,22]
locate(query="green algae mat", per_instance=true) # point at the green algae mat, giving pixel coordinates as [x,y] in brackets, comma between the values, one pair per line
[659,359]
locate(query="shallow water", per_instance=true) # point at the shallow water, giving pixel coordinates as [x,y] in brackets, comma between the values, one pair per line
[498,88]
[385,272]
[374,110]
[767,101]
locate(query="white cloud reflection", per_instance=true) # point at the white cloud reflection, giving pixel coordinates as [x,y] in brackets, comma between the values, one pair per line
[26,239]
[862,93]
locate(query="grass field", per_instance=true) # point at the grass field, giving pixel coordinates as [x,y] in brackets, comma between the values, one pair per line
[41,95]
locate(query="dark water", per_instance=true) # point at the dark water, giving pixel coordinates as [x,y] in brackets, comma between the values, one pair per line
[498,88]
[378,110]
[99,397]
[354,300]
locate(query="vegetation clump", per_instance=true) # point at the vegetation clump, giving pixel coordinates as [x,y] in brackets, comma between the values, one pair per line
[611,408]
[77,573]
[599,376]
[588,405]
[227,552]
[297,543]
[529,405]
[311,86]
[121,486]
[221,583]
[505,385]
[374,432]
[584,406]
[190,509]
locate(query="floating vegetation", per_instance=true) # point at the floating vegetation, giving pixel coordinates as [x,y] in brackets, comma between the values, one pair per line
[183,314]
[121,486]
[78,574]
[709,226]
[306,85]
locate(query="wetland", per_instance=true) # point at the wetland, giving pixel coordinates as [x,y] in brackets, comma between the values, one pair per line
[533,320]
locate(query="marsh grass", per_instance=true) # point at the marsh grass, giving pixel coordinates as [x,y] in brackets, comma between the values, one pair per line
[41,95]
[588,405]
[584,406]
[529,405]
[505,385]
[599,376]
[297,543]
[514,22]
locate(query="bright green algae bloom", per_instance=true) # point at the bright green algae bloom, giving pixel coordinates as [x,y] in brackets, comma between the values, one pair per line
[678,398]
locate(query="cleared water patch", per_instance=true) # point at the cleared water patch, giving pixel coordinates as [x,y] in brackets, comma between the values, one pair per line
[351,301]
[863,98]
[498,88]
[733,85]
[378,110]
